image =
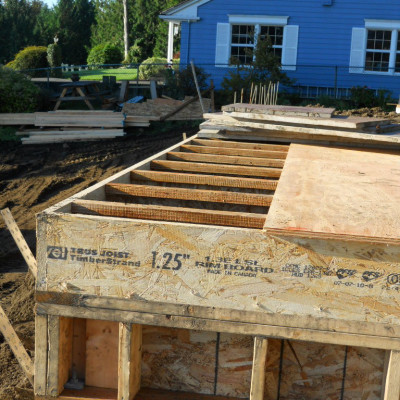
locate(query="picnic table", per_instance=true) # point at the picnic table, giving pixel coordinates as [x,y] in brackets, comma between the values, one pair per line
[79,91]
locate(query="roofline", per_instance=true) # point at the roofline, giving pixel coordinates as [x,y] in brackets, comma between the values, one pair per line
[187,4]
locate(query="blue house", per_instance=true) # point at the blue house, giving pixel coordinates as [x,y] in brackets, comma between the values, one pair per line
[327,46]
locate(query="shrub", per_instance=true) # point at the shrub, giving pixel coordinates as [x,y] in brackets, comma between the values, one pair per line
[105,53]
[32,57]
[180,83]
[153,67]
[17,93]
[54,59]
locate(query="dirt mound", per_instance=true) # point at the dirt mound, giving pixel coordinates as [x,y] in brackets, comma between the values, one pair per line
[32,178]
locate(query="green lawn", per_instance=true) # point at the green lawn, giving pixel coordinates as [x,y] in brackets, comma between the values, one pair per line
[97,74]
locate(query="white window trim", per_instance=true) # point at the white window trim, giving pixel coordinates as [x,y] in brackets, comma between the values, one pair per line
[384,25]
[257,21]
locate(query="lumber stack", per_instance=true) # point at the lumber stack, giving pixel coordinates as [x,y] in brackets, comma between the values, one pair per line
[298,125]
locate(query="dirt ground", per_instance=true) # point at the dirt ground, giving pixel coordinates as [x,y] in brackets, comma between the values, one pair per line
[32,178]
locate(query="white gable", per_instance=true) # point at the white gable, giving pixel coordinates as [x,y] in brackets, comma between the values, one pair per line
[184,11]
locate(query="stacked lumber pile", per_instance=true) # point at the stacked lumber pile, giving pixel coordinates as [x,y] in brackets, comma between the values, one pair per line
[73,125]
[298,125]
[155,109]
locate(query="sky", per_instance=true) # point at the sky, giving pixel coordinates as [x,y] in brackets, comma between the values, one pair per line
[50,3]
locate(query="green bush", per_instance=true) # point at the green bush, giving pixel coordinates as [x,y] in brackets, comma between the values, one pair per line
[32,57]
[180,83]
[105,53]
[17,93]
[153,67]
[54,59]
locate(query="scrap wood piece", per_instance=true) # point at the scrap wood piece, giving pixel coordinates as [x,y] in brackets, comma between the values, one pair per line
[16,345]
[20,241]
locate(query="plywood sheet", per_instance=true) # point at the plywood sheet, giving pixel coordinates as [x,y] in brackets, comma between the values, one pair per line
[102,354]
[329,192]
[178,359]
[223,268]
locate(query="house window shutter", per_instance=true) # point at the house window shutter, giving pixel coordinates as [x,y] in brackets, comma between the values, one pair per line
[357,52]
[289,51]
[222,48]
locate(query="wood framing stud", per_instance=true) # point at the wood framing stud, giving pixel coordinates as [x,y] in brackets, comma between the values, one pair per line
[258,372]
[392,384]
[40,354]
[16,346]
[166,213]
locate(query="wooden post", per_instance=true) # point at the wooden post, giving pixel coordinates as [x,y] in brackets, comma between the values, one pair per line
[16,346]
[197,86]
[391,387]
[212,95]
[20,241]
[40,355]
[53,358]
[129,362]
[258,373]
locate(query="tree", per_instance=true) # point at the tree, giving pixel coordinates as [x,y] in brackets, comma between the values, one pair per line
[74,20]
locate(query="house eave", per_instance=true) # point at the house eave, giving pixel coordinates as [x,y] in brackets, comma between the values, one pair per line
[178,18]
[187,10]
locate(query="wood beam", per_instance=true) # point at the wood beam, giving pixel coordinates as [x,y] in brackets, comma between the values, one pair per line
[207,180]
[239,170]
[130,191]
[235,151]
[239,145]
[222,159]
[166,213]
[258,372]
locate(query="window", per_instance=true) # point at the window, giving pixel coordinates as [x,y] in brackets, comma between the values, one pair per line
[377,55]
[376,48]
[244,39]
[238,37]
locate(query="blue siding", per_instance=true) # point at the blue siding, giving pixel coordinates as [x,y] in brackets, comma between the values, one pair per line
[324,37]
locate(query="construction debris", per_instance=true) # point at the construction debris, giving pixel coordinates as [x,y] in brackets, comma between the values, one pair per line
[298,125]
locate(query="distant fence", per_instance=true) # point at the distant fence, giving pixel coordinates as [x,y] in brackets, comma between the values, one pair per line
[309,81]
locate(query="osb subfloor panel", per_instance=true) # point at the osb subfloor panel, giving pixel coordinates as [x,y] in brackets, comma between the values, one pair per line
[332,191]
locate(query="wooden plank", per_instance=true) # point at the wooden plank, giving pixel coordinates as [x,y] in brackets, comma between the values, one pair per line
[235,152]
[20,241]
[204,324]
[258,373]
[16,345]
[367,206]
[102,353]
[41,331]
[53,356]
[75,132]
[129,192]
[392,384]
[129,362]
[240,145]
[280,110]
[65,352]
[123,91]
[207,180]
[166,213]
[240,170]
[17,118]
[221,159]
[217,313]
[335,121]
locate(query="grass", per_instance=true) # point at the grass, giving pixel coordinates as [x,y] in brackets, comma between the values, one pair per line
[97,74]
[7,134]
